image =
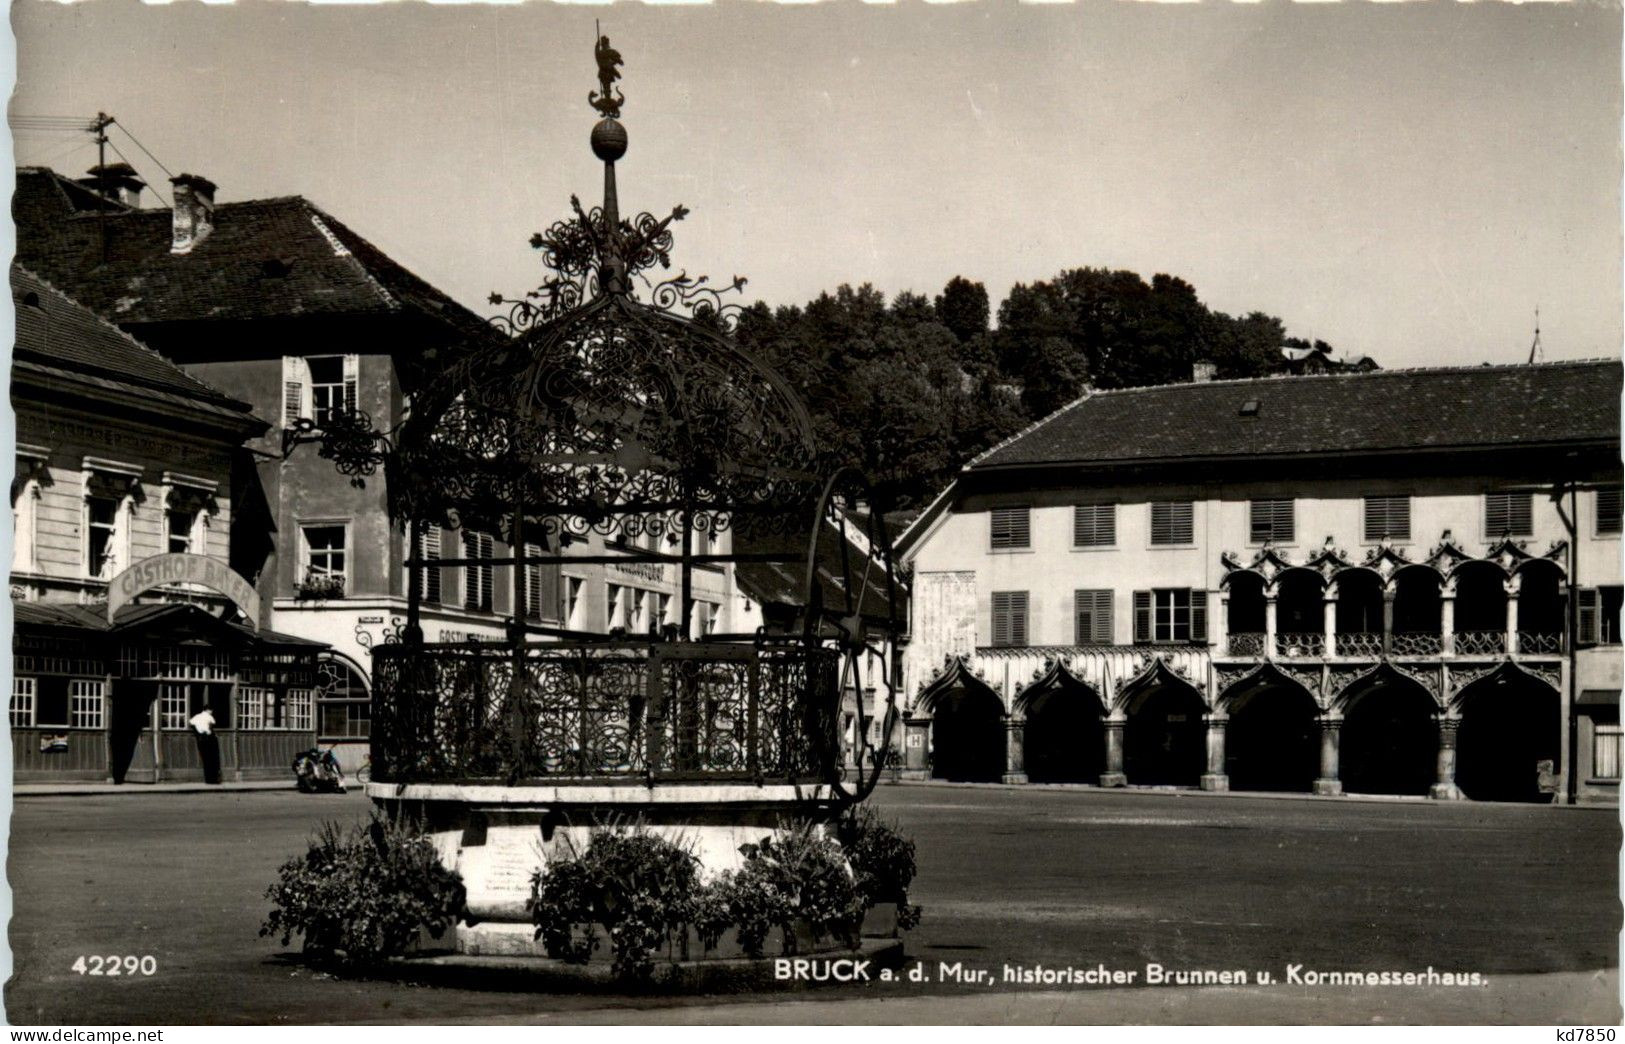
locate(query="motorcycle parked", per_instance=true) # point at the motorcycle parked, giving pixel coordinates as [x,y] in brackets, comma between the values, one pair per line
[316,771]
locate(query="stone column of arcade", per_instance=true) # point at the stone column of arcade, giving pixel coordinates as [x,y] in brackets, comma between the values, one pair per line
[1113,732]
[1513,584]
[1214,778]
[1444,788]
[1270,593]
[1328,617]
[1015,732]
[1447,618]
[1331,729]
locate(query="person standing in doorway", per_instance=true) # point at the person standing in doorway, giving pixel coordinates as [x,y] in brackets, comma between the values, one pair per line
[208,744]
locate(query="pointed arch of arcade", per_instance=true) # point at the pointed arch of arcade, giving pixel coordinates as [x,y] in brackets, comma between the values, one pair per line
[1064,739]
[1389,740]
[1508,745]
[1272,738]
[1164,734]
[967,725]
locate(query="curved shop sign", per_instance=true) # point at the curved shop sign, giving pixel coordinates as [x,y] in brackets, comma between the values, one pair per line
[160,570]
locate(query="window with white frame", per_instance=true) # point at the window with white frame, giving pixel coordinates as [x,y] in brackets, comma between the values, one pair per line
[316,388]
[102,537]
[172,704]
[573,586]
[299,710]
[614,602]
[477,577]
[1094,525]
[87,702]
[253,703]
[1605,743]
[24,692]
[180,526]
[1387,518]
[1508,514]
[663,611]
[705,618]
[1170,615]
[324,550]
[1172,522]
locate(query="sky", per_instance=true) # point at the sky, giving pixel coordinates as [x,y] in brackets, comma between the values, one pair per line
[1408,181]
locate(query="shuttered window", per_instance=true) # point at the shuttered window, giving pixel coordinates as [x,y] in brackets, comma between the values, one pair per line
[1586,603]
[1387,518]
[1608,510]
[1092,611]
[1175,614]
[1171,522]
[1012,527]
[1009,617]
[429,575]
[1508,514]
[1271,521]
[477,578]
[1094,525]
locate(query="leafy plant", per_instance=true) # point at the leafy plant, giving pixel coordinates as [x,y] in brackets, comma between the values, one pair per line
[808,874]
[316,586]
[364,894]
[638,885]
[882,863]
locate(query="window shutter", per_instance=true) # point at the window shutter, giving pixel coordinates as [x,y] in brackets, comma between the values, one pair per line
[295,382]
[1588,604]
[1199,612]
[1093,610]
[1271,520]
[1094,525]
[1011,527]
[1009,617]
[1508,514]
[1142,617]
[1387,517]
[1608,510]
[352,375]
[429,551]
[1171,522]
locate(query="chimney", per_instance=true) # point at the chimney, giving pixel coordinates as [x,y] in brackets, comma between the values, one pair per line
[193,214]
[115,181]
[1202,371]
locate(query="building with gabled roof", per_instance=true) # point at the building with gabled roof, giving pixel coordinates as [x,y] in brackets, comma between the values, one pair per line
[123,461]
[1399,581]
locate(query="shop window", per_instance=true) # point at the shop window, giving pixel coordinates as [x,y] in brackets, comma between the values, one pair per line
[1270,521]
[1094,525]
[1173,523]
[477,578]
[1387,518]
[1605,744]
[87,702]
[344,705]
[23,694]
[1010,618]
[1011,528]
[253,707]
[172,706]
[1508,514]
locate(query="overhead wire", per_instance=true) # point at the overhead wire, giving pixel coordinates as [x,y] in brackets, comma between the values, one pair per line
[154,188]
[143,148]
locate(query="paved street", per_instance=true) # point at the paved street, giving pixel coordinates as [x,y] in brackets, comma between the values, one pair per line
[1019,876]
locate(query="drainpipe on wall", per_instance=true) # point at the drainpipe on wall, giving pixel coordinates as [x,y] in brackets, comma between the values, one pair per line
[1573,753]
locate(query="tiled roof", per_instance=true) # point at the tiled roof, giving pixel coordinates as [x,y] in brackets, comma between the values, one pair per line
[265,259]
[57,336]
[1455,408]
[784,583]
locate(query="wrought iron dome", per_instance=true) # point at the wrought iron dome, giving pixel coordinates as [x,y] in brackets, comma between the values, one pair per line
[602,411]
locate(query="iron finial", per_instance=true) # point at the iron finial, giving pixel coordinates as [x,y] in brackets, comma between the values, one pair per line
[607,99]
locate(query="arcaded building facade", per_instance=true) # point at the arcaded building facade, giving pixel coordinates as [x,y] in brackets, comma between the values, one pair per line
[1400,582]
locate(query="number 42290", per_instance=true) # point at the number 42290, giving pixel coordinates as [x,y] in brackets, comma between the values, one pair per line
[116,965]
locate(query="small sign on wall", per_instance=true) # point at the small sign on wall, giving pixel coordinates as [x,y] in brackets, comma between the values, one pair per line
[915,739]
[53,743]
